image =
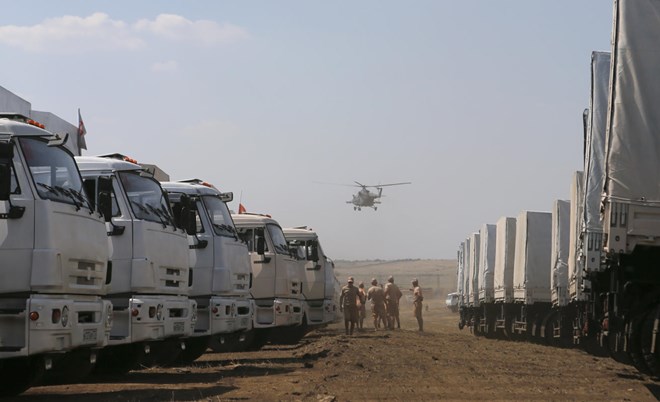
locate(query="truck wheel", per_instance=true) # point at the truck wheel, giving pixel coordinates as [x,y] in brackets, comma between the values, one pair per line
[614,342]
[634,334]
[647,329]
[162,353]
[71,368]
[118,360]
[234,342]
[19,374]
[195,348]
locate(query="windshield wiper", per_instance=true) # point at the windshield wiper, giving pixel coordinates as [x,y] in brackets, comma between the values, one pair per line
[67,193]
[227,228]
[157,213]
[49,188]
[83,200]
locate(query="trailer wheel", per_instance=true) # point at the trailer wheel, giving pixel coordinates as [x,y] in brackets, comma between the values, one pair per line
[634,334]
[648,328]
[615,339]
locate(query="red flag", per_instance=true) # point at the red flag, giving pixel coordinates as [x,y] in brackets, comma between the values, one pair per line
[241,208]
[82,144]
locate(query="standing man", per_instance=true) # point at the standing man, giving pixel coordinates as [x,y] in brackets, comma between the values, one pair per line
[348,305]
[417,303]
[377,297]
[362,307]
[392,296]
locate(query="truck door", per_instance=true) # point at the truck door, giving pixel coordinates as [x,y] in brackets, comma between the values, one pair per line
[16,235]
[288,281]
[263,265]
[119,229]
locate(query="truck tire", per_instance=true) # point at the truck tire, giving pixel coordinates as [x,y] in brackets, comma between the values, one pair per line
[195,348]
[634,334]
[19,374]
[651,358]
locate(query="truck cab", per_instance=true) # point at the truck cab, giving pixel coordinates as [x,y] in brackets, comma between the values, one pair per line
[318,277]
[53,258]
[222,268]
[276,277]
[151,275]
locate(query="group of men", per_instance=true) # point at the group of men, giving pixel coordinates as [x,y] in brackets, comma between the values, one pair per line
[384,304]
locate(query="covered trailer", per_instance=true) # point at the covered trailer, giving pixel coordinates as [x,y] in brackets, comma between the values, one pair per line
[505,247]
[475,248]
[628,289]
[531,271]
[560,252]
[486,313]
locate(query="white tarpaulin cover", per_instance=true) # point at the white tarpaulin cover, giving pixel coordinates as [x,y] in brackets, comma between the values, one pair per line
[594,162]
[574,265]
[487,236]
[460,256]
[474,267]
[561,213]
[505,246]
[633,126]
[531,270]
[467,281]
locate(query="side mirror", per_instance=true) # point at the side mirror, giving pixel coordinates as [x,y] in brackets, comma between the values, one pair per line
[190,223]
[315,254]
[105,197]
[6,155]
[261,246]
[105,205]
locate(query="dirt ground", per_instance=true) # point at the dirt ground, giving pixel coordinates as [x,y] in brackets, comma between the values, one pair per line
[442,363]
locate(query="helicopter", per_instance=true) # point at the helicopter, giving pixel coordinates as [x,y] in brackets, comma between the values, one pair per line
[369,199]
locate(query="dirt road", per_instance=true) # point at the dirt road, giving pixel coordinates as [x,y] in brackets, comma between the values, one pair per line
[442,363]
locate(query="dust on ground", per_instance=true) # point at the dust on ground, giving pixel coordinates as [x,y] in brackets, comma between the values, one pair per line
[441,363]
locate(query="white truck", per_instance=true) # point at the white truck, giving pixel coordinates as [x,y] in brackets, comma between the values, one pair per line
[276,280]
[318,285]
[151,274]
[626,288]
[53,260]
[221,285]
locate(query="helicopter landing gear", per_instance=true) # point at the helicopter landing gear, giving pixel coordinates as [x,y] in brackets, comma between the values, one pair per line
[375,208]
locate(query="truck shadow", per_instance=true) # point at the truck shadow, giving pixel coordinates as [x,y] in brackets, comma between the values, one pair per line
[141,394]
[302,360]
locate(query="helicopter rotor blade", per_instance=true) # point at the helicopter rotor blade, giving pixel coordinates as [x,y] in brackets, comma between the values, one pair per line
[393,184]
[336,184]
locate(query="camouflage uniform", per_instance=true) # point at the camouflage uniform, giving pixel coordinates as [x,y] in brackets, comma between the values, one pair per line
[348,304]
[392,296]
[377,297]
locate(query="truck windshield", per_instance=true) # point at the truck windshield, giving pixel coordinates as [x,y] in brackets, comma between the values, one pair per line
[219,215]
[278,239]
[146,198]
[54,172]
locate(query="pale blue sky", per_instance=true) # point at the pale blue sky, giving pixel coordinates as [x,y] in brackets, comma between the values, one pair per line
[478,103]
